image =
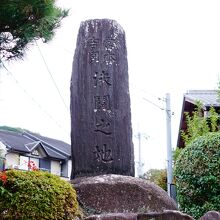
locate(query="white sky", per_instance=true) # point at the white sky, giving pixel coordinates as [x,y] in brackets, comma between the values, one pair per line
[173,46]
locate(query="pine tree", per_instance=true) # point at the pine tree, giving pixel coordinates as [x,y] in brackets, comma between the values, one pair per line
[23,21]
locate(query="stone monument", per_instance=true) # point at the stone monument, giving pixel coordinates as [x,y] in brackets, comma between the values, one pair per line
[101,133]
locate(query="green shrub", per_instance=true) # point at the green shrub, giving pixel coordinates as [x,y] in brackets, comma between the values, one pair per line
[197,173]
[159,177]
[198,125]
[36,195]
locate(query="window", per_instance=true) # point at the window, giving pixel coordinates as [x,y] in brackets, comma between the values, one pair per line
[23,165]
[35,160]
[44,164]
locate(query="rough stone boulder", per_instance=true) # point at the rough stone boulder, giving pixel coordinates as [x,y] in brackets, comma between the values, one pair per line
[211,215]
[119,194]
[115,216]
[166,215]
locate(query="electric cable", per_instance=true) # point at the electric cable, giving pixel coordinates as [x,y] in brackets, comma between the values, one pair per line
[33,100]
[53,80]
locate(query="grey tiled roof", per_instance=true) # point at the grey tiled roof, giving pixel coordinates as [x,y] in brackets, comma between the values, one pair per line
[17,141]
[54,154]
[14,140]
[55,144]
[206,97]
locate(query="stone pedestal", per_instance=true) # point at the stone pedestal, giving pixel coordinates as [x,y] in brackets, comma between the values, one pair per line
[121,194]
[166,215]
[211,215]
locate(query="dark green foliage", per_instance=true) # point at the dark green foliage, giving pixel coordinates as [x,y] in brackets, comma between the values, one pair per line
[37,195]
[159,177]
[23,21]
[7,128]
[197,124]
[18,130]
[197,173]
[176,154]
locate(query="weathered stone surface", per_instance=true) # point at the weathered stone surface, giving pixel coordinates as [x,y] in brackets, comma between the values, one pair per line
[211,215]
[101,133]
[119,194]
[114,216]
[166,215]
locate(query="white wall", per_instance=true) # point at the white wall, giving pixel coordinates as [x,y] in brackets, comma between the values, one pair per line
[69,168]
[55,167]
[2,149]
[11,159]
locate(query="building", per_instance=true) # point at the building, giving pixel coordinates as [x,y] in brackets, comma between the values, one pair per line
[207,98]
[21,146]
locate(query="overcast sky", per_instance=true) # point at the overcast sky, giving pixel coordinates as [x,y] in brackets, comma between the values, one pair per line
[173,46]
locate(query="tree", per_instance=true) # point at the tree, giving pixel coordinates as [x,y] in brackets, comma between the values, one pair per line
[197,166]
[197,173]
[23,21]
[14,129]
[198,125]
[157,176]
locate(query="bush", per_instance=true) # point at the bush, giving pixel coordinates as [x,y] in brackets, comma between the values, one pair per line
[197,173]
[159,177]
[36,195]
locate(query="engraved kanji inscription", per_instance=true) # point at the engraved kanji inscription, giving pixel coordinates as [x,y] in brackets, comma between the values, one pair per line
[93,44]
[101,78]
[110,58]
[102,102]
[93,57]
[103,124]
[103,154]
[101,131]
[110,44]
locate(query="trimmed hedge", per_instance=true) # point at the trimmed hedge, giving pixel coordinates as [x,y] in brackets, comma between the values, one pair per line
[197,173]
[36,195]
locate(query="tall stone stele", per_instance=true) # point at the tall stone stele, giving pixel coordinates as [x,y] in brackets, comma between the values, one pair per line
[101,133]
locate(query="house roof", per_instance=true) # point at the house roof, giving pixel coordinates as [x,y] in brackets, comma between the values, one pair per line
[208,98]
[26,142]
[53,144]
[14,140]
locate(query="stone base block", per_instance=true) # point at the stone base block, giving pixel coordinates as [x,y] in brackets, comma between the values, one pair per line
[120,194]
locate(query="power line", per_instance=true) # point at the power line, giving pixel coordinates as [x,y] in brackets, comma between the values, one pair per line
[53,80]
[153,103]
[145,91]
[153,95]
[33,100]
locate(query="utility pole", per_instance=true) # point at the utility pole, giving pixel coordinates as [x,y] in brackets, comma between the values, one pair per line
[169,147]
[140,163]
